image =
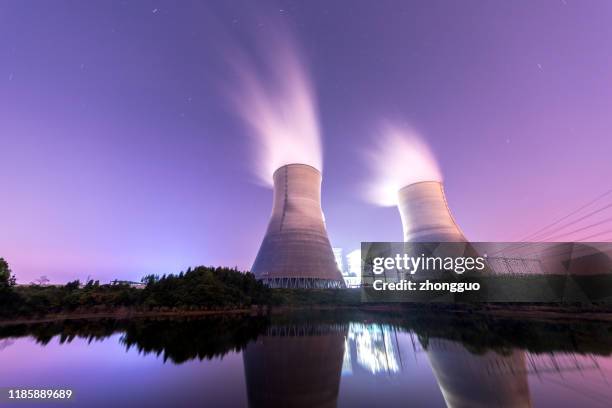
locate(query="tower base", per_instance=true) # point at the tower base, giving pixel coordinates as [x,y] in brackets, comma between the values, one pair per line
[303,283]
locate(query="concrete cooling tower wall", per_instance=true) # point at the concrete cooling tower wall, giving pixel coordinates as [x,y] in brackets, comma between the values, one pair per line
[295,368]
[425,214]
[479,380]
[296,252]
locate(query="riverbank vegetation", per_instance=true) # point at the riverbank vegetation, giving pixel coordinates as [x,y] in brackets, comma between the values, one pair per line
[201,288]
[205,290]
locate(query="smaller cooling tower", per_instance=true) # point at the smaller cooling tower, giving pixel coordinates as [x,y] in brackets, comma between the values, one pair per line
[295,252]
[425,214]
[487,379]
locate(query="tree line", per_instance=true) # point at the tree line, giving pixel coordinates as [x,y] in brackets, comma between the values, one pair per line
[200,288]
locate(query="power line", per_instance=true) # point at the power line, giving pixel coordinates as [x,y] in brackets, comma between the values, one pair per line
[584,217]
[576,249]
[597,211]
[521,241]
[576,211]
[565,234]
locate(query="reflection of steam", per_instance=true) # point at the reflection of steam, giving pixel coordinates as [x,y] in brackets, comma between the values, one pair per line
[401,158]
[277,103]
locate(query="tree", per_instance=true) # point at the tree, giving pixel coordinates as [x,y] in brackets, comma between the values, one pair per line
[74,285]
[150,279]
[7,279]
[43,280]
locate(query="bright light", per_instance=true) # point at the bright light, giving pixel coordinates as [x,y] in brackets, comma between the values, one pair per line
[353,260]
[374,347]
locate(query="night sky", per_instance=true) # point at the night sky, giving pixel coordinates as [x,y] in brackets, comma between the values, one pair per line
[121,154]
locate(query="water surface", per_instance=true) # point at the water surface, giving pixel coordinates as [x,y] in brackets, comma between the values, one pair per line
[322,359]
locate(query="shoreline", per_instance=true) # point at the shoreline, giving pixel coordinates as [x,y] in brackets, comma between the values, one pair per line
[121,315]
[531,312]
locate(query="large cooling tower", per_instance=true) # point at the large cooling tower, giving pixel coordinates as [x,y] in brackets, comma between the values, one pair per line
[295,366]
[296,253]
[425,214]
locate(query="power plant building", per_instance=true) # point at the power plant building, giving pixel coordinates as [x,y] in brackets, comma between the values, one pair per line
[296,251]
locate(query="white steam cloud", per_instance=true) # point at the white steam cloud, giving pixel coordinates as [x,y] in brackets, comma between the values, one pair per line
[277,103]
[399,158]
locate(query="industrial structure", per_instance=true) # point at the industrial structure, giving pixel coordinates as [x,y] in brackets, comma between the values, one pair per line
[425,214]
[296,252]
[295,366]
[486,379]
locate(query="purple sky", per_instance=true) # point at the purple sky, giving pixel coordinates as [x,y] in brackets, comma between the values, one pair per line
[120,156]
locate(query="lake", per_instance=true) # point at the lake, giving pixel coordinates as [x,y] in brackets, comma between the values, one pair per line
[349,359]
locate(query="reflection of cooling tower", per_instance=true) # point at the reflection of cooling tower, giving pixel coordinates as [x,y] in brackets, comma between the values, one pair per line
[296,251]
[425,214]
[479,380]
[295,368]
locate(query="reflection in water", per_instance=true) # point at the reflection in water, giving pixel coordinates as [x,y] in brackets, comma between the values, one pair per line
[295,366]
[185,340]
[5,343]
[330,360]
[178,340]
[371,347]
[478,380]
[465,379]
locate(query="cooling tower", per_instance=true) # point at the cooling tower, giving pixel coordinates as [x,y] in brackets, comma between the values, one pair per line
[425,214]
[295,252]
[469,380]
[295,366]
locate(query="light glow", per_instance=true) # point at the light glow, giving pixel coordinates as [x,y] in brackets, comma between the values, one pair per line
[399,158]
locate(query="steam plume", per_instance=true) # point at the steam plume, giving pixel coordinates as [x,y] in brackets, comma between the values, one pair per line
[277,103]
[399,158]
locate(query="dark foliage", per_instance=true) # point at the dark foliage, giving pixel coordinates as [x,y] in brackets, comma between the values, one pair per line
[183,339]
[7,279]
[203,288]
[177,339]
[8,297]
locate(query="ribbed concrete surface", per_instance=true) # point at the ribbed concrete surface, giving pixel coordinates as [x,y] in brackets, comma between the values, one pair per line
[425,214]
[479,380]
[296,244]
[294,370]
